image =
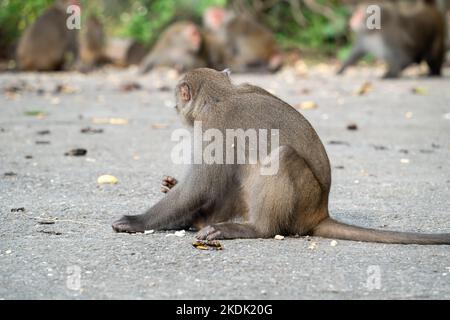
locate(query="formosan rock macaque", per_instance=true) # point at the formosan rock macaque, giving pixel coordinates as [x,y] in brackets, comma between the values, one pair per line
[227,200]
[46,44]
[179,47]
[248,45]
[405,36]
[92,42]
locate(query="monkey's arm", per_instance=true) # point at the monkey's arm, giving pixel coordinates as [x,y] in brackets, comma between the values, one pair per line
[147,64]
[177,210]
[357,53]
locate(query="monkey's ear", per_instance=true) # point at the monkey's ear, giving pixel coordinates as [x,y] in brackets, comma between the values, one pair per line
[227,72]
[185,92]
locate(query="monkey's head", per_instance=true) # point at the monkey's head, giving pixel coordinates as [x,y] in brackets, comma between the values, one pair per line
[63,4]
[213,18]
[198,89]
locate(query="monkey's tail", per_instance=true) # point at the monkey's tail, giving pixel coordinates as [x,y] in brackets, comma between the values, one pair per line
[330,228]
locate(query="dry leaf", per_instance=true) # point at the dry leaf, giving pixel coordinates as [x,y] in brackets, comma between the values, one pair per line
[130,86]
[333,243]
[364,89]
[159,125]
[64,88]
[107,179]
[207,245]
[352,127]
[76,152]
[200,245]
[306,105]
[114,121]
[35,113]
[279,237]
[419,90]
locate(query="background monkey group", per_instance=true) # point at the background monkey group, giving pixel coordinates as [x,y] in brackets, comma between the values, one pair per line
[226,41]
[407,35]
[212,196]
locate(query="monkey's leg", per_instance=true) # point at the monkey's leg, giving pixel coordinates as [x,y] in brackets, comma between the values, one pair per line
[147,64]
[357,53]
[287,202]
[397,61]
[435,58]
[228,230]
[168,183]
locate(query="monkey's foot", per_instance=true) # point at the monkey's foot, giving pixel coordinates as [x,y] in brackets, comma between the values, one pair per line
[168,183]
[209,233]
[129,224]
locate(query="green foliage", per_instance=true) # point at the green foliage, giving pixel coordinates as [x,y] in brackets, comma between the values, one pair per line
[318,34]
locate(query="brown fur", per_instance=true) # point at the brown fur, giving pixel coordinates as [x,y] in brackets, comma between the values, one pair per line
[92,44]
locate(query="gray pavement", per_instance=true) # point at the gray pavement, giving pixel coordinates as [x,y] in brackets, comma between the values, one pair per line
[392,173]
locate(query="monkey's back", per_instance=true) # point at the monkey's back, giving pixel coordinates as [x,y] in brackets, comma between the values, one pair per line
[252,107]
[44,43]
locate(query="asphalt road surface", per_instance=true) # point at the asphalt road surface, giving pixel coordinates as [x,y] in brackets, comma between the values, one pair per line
[392,173]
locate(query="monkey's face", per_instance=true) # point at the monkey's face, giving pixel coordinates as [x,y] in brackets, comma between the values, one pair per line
[213,18]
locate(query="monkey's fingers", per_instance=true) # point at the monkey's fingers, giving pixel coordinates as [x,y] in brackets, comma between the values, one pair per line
[209,233]
[169,182]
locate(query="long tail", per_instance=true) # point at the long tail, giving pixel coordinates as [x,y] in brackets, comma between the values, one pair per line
[330,228]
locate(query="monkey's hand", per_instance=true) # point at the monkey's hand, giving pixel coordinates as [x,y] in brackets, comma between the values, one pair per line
[168,183]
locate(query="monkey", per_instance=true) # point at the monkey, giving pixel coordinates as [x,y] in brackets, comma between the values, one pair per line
[179,47]
[405,37]
[92,41]
[232,200]
[46,44]
[249,45]
[123,52]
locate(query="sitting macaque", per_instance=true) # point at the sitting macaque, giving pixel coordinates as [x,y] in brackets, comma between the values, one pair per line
[249,46]
[406,36]
[228,200]
[92,43]
[46,44]
[180,46]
